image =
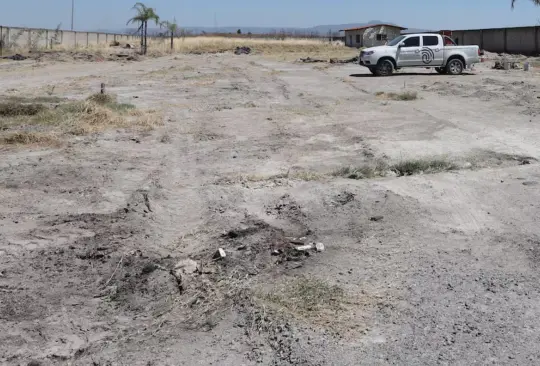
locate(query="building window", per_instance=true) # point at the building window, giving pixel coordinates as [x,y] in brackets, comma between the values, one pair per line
[357,38]
[382,37]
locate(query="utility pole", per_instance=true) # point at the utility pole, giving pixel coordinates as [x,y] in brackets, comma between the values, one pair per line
[72,12]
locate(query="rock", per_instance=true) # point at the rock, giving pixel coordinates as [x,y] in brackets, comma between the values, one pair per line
[319,247]
[304,248]
[187,266]
[277,252]
[524,162]
[376,218]
[530,183]
[129,46]
[242,51]
[219,254]
[16,57]
[206,269]
[467,165]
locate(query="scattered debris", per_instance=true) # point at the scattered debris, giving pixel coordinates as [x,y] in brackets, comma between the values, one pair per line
[319,247]
[376,218]
[16,57]
[311,60]
[219,254]
[187,266]
[205,269]
[331,61]
[129,46]
[530,183]
[242,51]
[506,65]
[276,252]
[304,248]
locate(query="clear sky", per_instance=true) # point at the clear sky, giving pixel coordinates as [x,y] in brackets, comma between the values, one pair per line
[430,14]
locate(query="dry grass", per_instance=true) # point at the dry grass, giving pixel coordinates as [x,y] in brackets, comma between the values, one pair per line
[422,166]
[306,298]
[29,138]
[378,169]
[403,96]
[287,49]
[402,168]
[20,109]
[37,123]
[200,45]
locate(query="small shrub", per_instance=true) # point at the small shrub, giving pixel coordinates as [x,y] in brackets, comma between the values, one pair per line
[102,98]
[20,109]
[26,138]
[307,296]
[403,96]
[411,167]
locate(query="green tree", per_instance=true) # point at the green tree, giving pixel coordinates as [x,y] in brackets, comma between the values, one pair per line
[144,15]
[239,31]
[172,29]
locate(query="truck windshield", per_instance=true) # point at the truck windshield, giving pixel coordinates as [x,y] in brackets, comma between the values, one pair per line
[395,41]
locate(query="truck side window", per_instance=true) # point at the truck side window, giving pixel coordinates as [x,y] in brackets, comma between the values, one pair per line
[412,42]
[430,40]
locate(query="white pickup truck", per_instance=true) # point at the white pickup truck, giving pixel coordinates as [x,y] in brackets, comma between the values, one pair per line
[420,50]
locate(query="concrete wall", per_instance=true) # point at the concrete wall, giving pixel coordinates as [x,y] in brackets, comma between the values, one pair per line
[368,37]
[521,40]
[13,38]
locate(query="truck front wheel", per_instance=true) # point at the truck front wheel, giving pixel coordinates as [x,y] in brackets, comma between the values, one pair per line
[384,68]
[455,66]
[373,70]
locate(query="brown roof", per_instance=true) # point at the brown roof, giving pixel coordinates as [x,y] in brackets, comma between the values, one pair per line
[371,26]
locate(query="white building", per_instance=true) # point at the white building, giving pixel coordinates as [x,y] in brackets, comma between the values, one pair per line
[371,35]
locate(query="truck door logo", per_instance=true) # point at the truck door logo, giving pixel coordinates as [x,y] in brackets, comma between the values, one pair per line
[427,55]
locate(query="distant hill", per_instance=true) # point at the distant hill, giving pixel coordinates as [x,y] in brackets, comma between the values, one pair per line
[320,30]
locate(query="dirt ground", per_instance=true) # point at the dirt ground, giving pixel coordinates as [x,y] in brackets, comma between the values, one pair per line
[95,236]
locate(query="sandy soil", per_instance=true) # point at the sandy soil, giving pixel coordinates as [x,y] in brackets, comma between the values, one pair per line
[90,233]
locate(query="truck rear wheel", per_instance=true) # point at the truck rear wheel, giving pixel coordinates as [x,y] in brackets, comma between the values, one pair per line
[454,67]
[384,68]
[440,70]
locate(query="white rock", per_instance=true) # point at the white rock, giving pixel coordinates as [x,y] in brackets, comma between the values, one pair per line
[187,266]
[304,248]
[220,254]
[319,247]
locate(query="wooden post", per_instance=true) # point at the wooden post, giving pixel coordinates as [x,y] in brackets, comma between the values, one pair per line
[102,88]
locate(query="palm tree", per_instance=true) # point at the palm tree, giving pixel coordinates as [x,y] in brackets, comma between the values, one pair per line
[535,2]
[144,15]
[172,28]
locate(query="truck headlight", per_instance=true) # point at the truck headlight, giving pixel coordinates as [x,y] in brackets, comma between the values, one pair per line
[367,53]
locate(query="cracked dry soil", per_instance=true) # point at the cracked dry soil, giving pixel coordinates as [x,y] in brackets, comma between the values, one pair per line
[92,232]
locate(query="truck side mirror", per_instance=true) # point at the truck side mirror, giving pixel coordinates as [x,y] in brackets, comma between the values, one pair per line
[402,44]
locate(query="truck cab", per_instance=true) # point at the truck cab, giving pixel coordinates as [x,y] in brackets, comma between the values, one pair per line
[419,50]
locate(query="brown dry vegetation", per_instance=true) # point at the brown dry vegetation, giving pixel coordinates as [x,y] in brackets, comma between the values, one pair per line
[33,121]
